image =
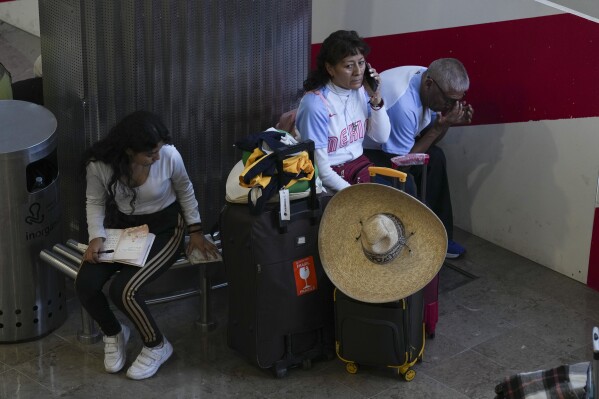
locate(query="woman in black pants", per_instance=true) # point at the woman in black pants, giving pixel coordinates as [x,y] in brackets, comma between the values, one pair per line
[135,177]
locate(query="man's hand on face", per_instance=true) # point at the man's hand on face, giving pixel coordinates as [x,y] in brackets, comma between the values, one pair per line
[461,113]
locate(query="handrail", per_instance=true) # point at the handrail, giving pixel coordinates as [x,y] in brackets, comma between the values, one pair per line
[60,263]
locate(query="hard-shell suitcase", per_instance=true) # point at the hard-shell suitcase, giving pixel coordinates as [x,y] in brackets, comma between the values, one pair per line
[388,334]
[280,299]
[431,291]
[380,334]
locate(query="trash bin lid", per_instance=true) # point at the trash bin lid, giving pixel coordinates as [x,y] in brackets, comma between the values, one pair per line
[24,125]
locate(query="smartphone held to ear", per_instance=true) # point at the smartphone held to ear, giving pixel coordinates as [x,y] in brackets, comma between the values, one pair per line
[369,79]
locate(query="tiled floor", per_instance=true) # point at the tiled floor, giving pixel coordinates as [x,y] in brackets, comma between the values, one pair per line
[513,316]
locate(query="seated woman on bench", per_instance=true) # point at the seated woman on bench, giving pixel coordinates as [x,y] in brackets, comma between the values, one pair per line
[135,177]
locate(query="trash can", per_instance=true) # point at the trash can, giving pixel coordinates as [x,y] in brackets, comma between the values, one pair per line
[32,295]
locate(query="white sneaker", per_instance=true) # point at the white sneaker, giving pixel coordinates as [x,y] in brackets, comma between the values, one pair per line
[115,350]
[149,360]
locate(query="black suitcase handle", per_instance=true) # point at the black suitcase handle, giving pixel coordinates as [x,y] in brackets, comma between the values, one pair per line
[283,152]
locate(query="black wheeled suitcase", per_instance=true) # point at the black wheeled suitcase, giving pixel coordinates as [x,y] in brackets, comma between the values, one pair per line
[387,334]
[280,299]
[390,334]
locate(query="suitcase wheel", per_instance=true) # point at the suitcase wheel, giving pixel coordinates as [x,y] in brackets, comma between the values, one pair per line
[351,367]
[408,375]
[279,372]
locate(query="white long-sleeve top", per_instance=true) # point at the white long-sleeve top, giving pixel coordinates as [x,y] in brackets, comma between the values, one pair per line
[167,182]
[338,121]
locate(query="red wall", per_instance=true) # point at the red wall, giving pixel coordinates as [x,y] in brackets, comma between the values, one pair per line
[520,70]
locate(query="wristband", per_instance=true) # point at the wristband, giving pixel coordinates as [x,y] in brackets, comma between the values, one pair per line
[378,106]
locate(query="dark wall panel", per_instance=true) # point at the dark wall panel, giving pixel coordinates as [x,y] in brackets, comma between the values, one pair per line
[214,70]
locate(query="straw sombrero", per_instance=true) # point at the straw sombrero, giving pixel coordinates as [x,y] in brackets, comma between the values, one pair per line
[378,244]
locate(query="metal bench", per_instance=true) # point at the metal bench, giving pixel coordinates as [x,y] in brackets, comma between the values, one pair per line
[67,258]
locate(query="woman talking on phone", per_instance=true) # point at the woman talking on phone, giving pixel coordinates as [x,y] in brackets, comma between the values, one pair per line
[340,107]
[135,177]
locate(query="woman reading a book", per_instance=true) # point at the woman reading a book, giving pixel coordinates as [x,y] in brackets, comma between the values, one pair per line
[135,178]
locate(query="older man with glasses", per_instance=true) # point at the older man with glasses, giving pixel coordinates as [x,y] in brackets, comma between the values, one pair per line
[423,103]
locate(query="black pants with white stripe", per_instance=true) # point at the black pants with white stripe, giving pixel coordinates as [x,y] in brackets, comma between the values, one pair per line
[124,291]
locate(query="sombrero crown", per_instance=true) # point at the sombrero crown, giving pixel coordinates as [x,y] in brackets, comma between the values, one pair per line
[378,244]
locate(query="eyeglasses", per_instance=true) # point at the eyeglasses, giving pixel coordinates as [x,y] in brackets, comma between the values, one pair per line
[448,100]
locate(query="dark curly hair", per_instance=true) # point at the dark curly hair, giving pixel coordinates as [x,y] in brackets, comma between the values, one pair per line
[140,131]
[336,47]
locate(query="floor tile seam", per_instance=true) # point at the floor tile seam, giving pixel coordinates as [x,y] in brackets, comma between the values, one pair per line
[484,316]
[35,381]
[300,382]
[532,330]
[522,293]
[222,394]
[455,389]
[351,389]
[99,354]
[497,363]
[479,272]
[486,340]
[33,357]
[74,341]
[445,361]
[518,329]
[585,316]
[549,290]
[460,267]
[508,325]
[441,383]
[63,339]
[45,354]
[378,394]
[585,347]
[4,43]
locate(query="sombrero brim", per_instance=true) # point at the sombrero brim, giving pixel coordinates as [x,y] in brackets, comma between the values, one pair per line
[341,250]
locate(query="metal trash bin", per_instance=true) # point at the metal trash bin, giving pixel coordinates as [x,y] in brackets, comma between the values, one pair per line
[32,295]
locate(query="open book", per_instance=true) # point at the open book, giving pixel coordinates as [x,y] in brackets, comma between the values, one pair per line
[130,246]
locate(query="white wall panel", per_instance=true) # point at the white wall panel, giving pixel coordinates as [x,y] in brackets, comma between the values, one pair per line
[387,17]
[528,187]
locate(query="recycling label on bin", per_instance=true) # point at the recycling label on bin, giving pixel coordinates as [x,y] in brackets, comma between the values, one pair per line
[41,214]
